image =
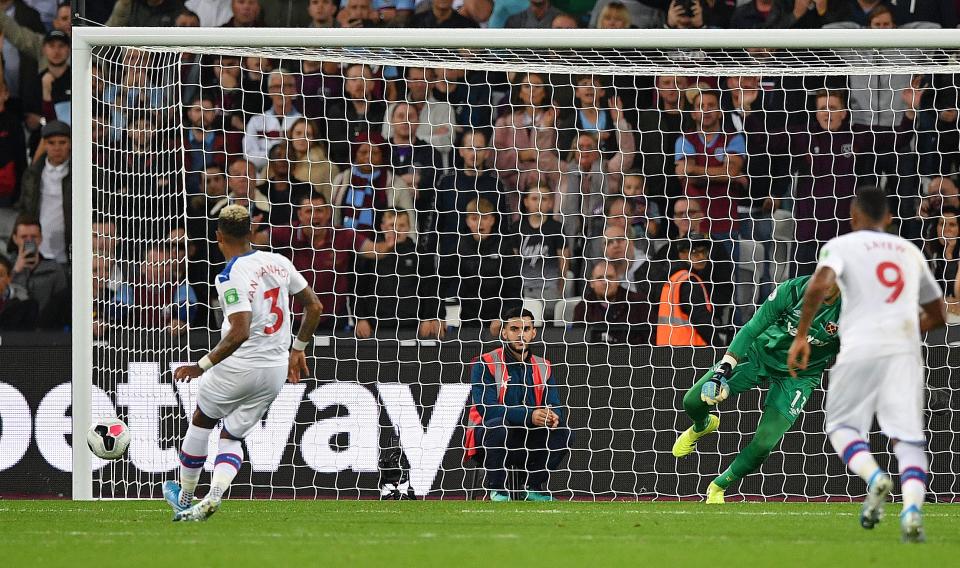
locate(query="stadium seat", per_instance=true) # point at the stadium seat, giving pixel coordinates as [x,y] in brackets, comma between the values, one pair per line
[563,311]
[784,231]
[536,308]
[453,315]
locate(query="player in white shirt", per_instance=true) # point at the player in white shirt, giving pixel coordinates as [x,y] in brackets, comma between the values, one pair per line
[879,370]
[244,373]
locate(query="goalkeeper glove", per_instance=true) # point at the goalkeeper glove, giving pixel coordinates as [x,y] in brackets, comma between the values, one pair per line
[716,389]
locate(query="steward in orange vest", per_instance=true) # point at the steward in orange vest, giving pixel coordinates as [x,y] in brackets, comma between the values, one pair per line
[516,409]
[686,315]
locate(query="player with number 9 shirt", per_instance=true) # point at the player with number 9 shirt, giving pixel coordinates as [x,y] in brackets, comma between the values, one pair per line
[756,357]
[879,372]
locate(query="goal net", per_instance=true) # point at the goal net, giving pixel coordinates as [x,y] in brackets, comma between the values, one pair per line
[580,184]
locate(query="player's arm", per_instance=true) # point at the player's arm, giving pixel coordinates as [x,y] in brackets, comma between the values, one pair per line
[239,332]
[934,315]
[716,389]
[818,287]
[770,311]
[312,312]
[934,312]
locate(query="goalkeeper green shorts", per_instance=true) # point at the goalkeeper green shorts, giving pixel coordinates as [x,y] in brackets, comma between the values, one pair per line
[786,395]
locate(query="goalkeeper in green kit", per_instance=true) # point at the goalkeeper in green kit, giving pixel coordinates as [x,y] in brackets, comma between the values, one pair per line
[758,357]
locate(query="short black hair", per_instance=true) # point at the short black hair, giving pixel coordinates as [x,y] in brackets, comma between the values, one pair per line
[872,202]
[517,313]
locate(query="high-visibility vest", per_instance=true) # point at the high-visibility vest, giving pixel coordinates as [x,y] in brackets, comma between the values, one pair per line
[497,366]
[673,326]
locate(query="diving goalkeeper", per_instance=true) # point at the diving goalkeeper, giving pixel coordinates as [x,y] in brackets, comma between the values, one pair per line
[757,357]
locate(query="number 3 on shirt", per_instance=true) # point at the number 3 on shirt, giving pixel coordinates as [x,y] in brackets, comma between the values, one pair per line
[890,275]
[273,295]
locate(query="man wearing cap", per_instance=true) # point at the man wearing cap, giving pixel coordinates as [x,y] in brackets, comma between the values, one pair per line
[29,41]
[687,316]
[45,191]
[48,95]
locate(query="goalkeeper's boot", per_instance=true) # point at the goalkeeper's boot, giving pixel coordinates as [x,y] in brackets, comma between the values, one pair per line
[687,441]
[499,496]
[714,494]
[872,510]
[538,496]
[171,492]
[199,512]
[911,525]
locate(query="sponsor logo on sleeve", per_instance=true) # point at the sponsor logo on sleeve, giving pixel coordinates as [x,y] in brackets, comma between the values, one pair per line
[231,296]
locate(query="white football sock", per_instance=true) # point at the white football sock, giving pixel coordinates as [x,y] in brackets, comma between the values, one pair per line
[913,473]
[229,459]
[193,454]
[855,452]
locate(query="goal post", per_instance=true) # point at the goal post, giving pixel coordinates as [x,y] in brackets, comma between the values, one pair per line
[82,259]
[640,425]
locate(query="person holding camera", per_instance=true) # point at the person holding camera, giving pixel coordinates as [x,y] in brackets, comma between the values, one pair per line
[779,14]
[43,278]
[45,191]
[698,14]
[17,311]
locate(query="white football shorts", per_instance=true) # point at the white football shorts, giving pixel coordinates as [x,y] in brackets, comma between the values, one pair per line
[240,398]
[890,388]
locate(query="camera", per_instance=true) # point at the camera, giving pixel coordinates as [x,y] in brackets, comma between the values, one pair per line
[30,248]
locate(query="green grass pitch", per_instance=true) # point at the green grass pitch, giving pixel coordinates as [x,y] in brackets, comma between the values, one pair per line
[459,533]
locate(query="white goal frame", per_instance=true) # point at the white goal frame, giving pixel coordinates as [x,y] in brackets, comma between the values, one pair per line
[85,39]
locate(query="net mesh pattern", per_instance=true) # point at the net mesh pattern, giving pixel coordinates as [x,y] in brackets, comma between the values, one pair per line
[426,191]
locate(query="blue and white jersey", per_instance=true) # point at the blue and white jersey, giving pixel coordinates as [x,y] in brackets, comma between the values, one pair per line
[261,283]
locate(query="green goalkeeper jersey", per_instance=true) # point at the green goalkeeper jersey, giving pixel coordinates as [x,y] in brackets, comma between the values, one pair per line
[766,338]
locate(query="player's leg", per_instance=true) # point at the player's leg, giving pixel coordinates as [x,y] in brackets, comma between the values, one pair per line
[912,460]
[783,403]
[261,388]
[228,462]
[236,425]
[704,422]
[215,399]
[900,415]
[773,425]
[193,454]
[850,408]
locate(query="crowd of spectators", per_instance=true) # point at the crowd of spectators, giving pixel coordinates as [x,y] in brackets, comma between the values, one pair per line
[634,205]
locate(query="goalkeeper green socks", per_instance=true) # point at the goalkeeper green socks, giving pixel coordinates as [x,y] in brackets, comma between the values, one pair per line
[771,429]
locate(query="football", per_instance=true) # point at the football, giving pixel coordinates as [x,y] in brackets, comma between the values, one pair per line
[109,438]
